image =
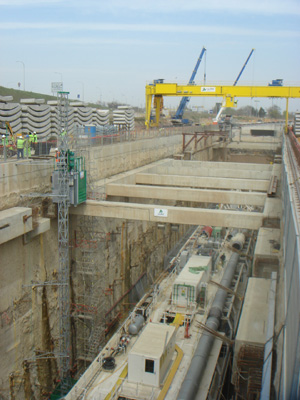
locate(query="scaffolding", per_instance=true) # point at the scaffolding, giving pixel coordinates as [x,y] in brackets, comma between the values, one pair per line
[63,247]
[90,295]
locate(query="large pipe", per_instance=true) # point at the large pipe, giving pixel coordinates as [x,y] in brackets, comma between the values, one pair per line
[190,385]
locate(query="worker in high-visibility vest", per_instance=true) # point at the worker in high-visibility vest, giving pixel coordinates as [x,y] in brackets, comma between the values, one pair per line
[27,150]
[31,138]
[20,147]
[35,142]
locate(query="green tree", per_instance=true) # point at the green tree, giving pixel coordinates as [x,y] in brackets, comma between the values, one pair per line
[262,113]
[274,112]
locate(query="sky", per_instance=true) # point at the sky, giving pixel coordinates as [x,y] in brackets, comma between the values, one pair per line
[109,50]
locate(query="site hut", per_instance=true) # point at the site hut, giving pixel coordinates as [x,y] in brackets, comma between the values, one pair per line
[151,355]
[188,284]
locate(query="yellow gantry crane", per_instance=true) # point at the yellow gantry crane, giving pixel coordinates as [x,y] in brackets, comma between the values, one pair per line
[228,93]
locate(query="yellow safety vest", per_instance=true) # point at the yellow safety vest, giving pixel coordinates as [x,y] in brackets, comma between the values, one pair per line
[20,143]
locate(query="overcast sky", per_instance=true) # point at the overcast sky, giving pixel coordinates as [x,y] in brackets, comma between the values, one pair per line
[110,49]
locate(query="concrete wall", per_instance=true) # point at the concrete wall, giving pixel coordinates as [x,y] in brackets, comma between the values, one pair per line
[28,308]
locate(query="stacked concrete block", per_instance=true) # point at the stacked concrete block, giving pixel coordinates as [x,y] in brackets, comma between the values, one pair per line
[82,114]
[36,116]
[100,117]
[123,118]
[10,112]
[44,119]
[55,118]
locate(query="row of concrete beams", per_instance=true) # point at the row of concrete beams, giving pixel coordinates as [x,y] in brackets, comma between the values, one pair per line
[258,185]
[186,194]
[170,214]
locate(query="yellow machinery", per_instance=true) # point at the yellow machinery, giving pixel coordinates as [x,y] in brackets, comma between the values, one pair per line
[229,94]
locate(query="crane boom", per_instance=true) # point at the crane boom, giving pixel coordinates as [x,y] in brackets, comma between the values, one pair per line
[235,82]
[180,110]
[246,62]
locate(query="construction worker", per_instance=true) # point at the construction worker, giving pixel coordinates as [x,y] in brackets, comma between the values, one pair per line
[20,146]
[31,139]
[35,140]
[27,150]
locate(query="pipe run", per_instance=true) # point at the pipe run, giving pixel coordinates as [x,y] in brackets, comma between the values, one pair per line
[190,385]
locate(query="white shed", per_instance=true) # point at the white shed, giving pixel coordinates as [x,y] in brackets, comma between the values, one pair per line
[151,355]
[187,285]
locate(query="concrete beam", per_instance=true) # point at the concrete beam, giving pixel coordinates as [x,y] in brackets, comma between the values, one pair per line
[186,194]
[221,165]
[43,225]
[188,181]
[167,214]
[214,172]
[272,213]
[15,222]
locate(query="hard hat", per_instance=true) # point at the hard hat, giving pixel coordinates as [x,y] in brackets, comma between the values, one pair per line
[27,135]
[34,132]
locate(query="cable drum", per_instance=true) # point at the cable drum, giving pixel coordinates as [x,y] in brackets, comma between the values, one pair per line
[109,363]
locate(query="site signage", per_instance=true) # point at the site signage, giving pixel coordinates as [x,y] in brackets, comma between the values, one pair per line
[56,87]
[206,89]
[160,212]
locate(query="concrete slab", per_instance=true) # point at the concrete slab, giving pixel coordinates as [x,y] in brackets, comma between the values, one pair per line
[266,254]
[168,214]
[15,222]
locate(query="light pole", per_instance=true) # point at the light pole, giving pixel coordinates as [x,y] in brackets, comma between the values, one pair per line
[23,73]
[100,97]
[82,90]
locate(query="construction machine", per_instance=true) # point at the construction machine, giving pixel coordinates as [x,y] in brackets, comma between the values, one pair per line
[11,144]
[217,119]
[177,119]
[276,82]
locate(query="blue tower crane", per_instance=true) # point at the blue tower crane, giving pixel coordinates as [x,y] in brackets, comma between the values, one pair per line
[177,118]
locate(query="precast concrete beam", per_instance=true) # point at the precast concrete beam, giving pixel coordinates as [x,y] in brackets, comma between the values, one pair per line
[187,194]
[202,182]
[167,214]
[215,172]
[15,222]
[220,165]
[43,225]
[272,213]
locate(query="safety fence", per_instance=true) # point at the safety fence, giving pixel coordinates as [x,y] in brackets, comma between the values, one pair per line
[289,385]
[82,140]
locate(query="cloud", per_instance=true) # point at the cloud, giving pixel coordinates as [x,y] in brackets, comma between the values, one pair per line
[152,28]
[236,7]
[254,7]
[25,3]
